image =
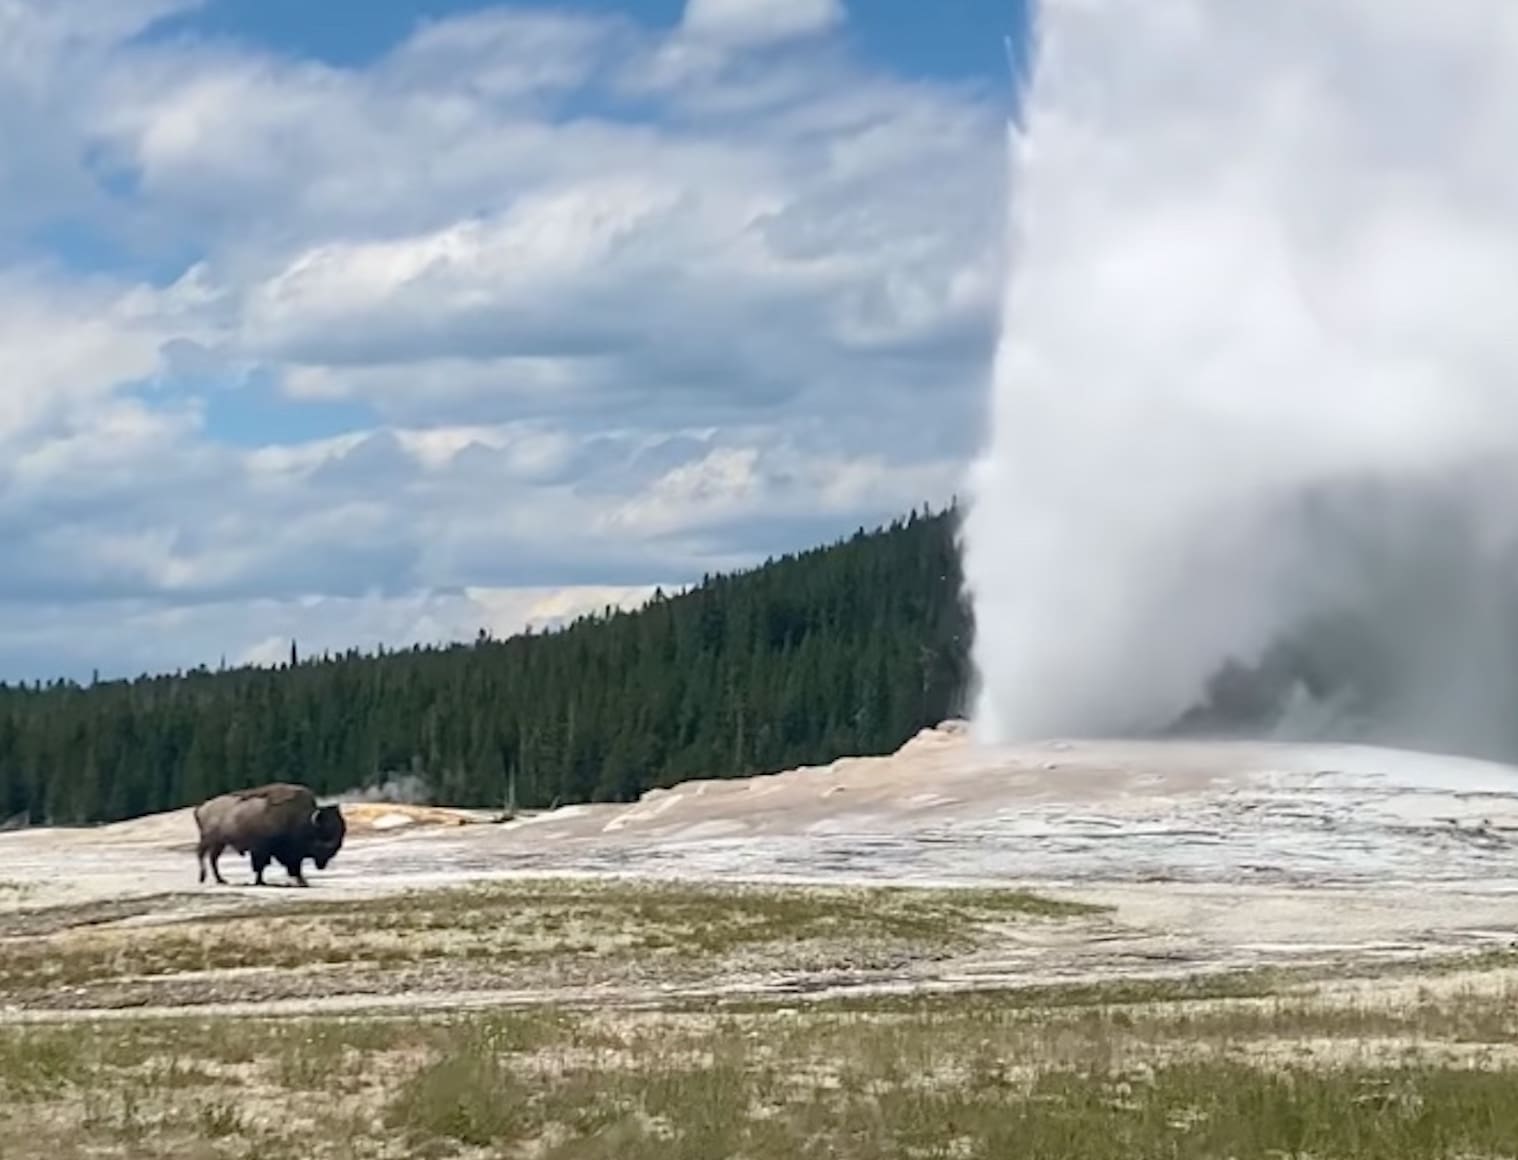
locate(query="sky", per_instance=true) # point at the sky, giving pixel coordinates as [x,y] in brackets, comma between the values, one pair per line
[386,322]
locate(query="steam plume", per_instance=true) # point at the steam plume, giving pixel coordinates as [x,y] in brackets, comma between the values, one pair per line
[1253,457]
[402,788]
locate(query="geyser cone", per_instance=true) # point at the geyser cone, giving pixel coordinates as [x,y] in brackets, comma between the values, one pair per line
[1253,444]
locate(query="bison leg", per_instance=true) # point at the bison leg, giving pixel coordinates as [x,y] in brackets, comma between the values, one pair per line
[292,867]
[212,853]
[261,862]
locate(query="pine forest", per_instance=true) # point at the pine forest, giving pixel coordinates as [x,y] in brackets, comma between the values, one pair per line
[844,649]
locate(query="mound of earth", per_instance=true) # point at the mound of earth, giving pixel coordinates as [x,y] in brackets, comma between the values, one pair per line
[385,817]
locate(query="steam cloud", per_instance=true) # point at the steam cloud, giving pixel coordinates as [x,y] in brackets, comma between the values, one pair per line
[1253,452]
[408,789]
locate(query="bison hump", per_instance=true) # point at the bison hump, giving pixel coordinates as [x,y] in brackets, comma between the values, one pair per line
[275,793]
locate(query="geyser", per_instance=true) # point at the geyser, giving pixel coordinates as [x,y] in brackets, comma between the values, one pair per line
[1253,451]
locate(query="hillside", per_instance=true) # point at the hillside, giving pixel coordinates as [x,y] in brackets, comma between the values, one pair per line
[844,649]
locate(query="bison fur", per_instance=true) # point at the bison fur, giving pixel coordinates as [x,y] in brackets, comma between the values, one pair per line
[280,822]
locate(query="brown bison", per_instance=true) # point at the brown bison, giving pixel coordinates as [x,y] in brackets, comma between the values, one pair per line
[279,822]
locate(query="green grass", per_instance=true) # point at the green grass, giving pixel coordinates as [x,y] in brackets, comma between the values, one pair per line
[1239,1065]
[955,1076]
[1200,1111]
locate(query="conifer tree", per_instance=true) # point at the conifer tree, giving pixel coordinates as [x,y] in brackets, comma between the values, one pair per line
[848,648]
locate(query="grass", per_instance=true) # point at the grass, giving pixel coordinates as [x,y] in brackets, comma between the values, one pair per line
[1278,1063]
[550,933]
[957,1077]
[1242,984]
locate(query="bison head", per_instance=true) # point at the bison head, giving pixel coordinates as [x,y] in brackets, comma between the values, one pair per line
[327,831]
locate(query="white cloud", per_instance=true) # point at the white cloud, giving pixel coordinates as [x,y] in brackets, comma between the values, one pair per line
[731,484]
[752,22]
[506,56]
[474,284]
[427,618]
[123,638]
[595,306]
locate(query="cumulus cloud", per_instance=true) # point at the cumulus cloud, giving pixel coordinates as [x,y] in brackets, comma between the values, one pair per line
[608,306]
[1256,339]
[759,21]
[121,638]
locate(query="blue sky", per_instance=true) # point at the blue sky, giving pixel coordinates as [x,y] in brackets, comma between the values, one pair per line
[386,321]
[951,39]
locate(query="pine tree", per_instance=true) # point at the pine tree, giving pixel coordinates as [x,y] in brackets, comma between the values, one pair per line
[850,647]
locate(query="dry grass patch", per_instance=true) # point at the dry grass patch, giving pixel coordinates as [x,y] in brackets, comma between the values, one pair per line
[535,933]
[947,1076]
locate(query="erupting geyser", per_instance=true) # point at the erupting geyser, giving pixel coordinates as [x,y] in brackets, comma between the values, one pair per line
[1253,456]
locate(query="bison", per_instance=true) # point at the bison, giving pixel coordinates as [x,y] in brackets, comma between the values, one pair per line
[279,822]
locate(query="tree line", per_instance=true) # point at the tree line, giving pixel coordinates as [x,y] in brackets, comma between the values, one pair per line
[844,649]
